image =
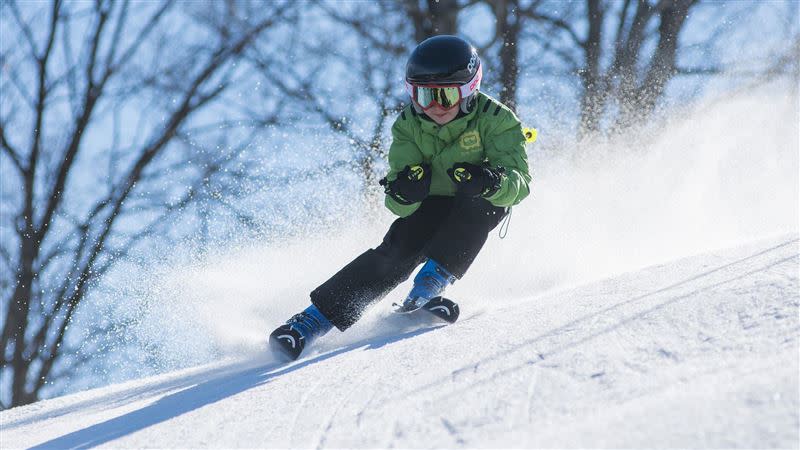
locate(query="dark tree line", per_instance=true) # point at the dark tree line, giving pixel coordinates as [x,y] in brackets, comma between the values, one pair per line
[609,74]
[621,80]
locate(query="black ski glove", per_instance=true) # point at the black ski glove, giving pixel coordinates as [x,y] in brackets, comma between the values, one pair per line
[476,181]
[411,185]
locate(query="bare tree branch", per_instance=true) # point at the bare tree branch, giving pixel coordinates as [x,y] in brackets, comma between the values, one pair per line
[65,250]
[151,25]
[19,86]
[10,151]
[118,27]
[361,27]
[556,22]
[26,30]
[72,68]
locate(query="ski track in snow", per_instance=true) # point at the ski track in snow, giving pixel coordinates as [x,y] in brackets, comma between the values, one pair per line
[699,352]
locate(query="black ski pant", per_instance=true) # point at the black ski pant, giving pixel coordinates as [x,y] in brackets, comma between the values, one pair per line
[449,230]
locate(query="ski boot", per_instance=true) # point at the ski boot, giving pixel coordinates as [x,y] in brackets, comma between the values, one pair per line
[429,285]
[290,339]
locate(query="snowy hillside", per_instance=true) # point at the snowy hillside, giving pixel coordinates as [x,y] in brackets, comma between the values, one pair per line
[698,352]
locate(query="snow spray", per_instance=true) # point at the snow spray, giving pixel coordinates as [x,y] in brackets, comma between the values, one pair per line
[722,173]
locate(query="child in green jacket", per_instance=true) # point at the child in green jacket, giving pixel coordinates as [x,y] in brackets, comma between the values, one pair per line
[457,164]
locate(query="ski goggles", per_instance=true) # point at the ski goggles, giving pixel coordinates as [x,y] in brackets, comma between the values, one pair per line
[448,96]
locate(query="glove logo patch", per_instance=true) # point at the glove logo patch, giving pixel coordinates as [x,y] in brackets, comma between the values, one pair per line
[461,175]
[416,173]
[470,140]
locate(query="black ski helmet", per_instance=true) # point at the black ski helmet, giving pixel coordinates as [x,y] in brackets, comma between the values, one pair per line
[445,59]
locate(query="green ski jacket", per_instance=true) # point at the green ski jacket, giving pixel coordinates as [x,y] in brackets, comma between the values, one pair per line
[489,133]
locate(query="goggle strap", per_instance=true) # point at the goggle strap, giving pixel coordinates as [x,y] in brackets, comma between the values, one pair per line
[473,85]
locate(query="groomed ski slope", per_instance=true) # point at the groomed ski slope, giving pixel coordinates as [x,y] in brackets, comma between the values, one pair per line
[698,352]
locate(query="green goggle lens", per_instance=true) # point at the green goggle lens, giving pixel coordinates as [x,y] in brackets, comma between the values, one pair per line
[447,97]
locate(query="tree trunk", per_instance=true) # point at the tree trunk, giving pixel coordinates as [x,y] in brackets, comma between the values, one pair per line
[594,88]
[441,17]
[508,27]
[662,65]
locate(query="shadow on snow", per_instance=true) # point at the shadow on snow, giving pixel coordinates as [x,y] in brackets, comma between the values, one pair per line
[205,393]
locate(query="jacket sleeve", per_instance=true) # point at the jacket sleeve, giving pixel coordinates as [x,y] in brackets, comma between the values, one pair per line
[402,152]
[505,147]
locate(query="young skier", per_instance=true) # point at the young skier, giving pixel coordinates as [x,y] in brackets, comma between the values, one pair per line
[457,163]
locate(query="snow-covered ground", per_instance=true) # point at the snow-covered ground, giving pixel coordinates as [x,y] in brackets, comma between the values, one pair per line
[697,352]
[630,305]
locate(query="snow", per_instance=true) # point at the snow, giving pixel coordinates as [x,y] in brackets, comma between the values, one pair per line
[696,352]
[646,296]
[703,182]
